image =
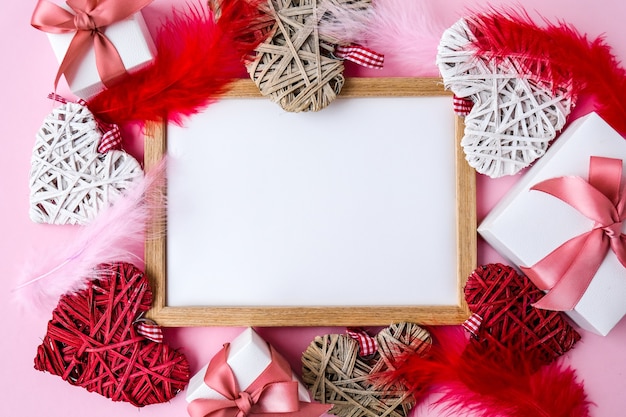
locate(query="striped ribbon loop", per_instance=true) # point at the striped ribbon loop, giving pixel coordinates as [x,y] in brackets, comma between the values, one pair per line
[111,137]
[57,97]
[150,330]
[367,344]
[462,106]
[472,324]
[360,55]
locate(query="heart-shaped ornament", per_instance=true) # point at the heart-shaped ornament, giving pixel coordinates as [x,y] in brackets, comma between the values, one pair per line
[513,118]
[336,374]
[296,67]
[504,317]
[70,182]
[96,340]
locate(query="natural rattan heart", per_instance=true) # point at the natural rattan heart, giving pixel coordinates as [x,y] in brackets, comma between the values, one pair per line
[503,299]
[70,182]
[336,375]
[295,67]
[92,342]
[513,118]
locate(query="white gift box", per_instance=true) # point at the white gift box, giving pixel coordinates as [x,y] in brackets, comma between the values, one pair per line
[248,357]
[130,37]
[525,225]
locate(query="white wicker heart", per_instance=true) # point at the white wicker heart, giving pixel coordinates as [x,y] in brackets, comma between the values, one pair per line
[513,119]
[70,182]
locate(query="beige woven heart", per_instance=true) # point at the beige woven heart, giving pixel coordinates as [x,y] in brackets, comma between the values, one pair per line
[295,67]
[70,182]
[513,118]
[336,375]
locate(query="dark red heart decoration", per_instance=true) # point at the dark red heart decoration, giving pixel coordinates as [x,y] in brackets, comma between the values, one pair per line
[92,341]
[503,300]
[508,368]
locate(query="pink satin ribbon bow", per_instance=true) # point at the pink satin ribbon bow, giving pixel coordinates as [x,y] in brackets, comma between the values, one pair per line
[273,393]
[87,21]
[568,270]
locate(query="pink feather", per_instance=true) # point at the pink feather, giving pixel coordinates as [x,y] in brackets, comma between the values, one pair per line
[407,33]
[115,235]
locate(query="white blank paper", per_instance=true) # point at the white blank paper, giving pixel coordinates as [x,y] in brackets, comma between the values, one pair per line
[352,205]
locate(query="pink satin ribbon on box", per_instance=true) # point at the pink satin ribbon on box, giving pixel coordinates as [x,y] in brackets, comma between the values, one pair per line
[273,393]
[89,19]
[569,269]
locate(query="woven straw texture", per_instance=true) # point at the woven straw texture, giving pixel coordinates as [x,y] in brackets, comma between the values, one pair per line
[70,182]
[513,118]
[295,67]
[92,342]
[504,298]
[336,375]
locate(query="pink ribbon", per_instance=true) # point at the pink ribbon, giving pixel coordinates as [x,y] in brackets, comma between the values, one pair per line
[568,270]
[87,21]
[273,393]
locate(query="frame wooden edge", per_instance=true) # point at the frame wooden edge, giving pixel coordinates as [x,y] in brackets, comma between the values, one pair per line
[155,249]
[307,316]
[360,87]
[466,230]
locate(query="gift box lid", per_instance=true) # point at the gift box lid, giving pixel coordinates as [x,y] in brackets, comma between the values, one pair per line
[526,225]
[132,40]
[248,357]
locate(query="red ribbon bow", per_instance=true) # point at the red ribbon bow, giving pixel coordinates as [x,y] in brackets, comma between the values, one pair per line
[568,270]
[273,393]
[88,20]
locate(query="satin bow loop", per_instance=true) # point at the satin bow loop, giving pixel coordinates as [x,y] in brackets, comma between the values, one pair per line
[88,20]
[272,394]
[568,270]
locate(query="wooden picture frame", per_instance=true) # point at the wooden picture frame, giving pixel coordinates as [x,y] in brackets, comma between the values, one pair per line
[156,249]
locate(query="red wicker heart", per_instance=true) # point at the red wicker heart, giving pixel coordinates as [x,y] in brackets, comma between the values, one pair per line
[503,299]
[92,342]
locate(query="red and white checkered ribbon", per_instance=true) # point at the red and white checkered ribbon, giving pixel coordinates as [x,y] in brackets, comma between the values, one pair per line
[111,137]
[472,324]
[150,330]
[462,106]
[367,344]
[111,134]
[360,55]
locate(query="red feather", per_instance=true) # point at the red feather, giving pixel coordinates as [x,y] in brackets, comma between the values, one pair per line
[558,55]
[490,383]
[197,57]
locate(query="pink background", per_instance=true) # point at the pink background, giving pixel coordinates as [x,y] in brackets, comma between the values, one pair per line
[27,74]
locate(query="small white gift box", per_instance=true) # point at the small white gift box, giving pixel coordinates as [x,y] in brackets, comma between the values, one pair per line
[130,37]
[248,356]
[527,225]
